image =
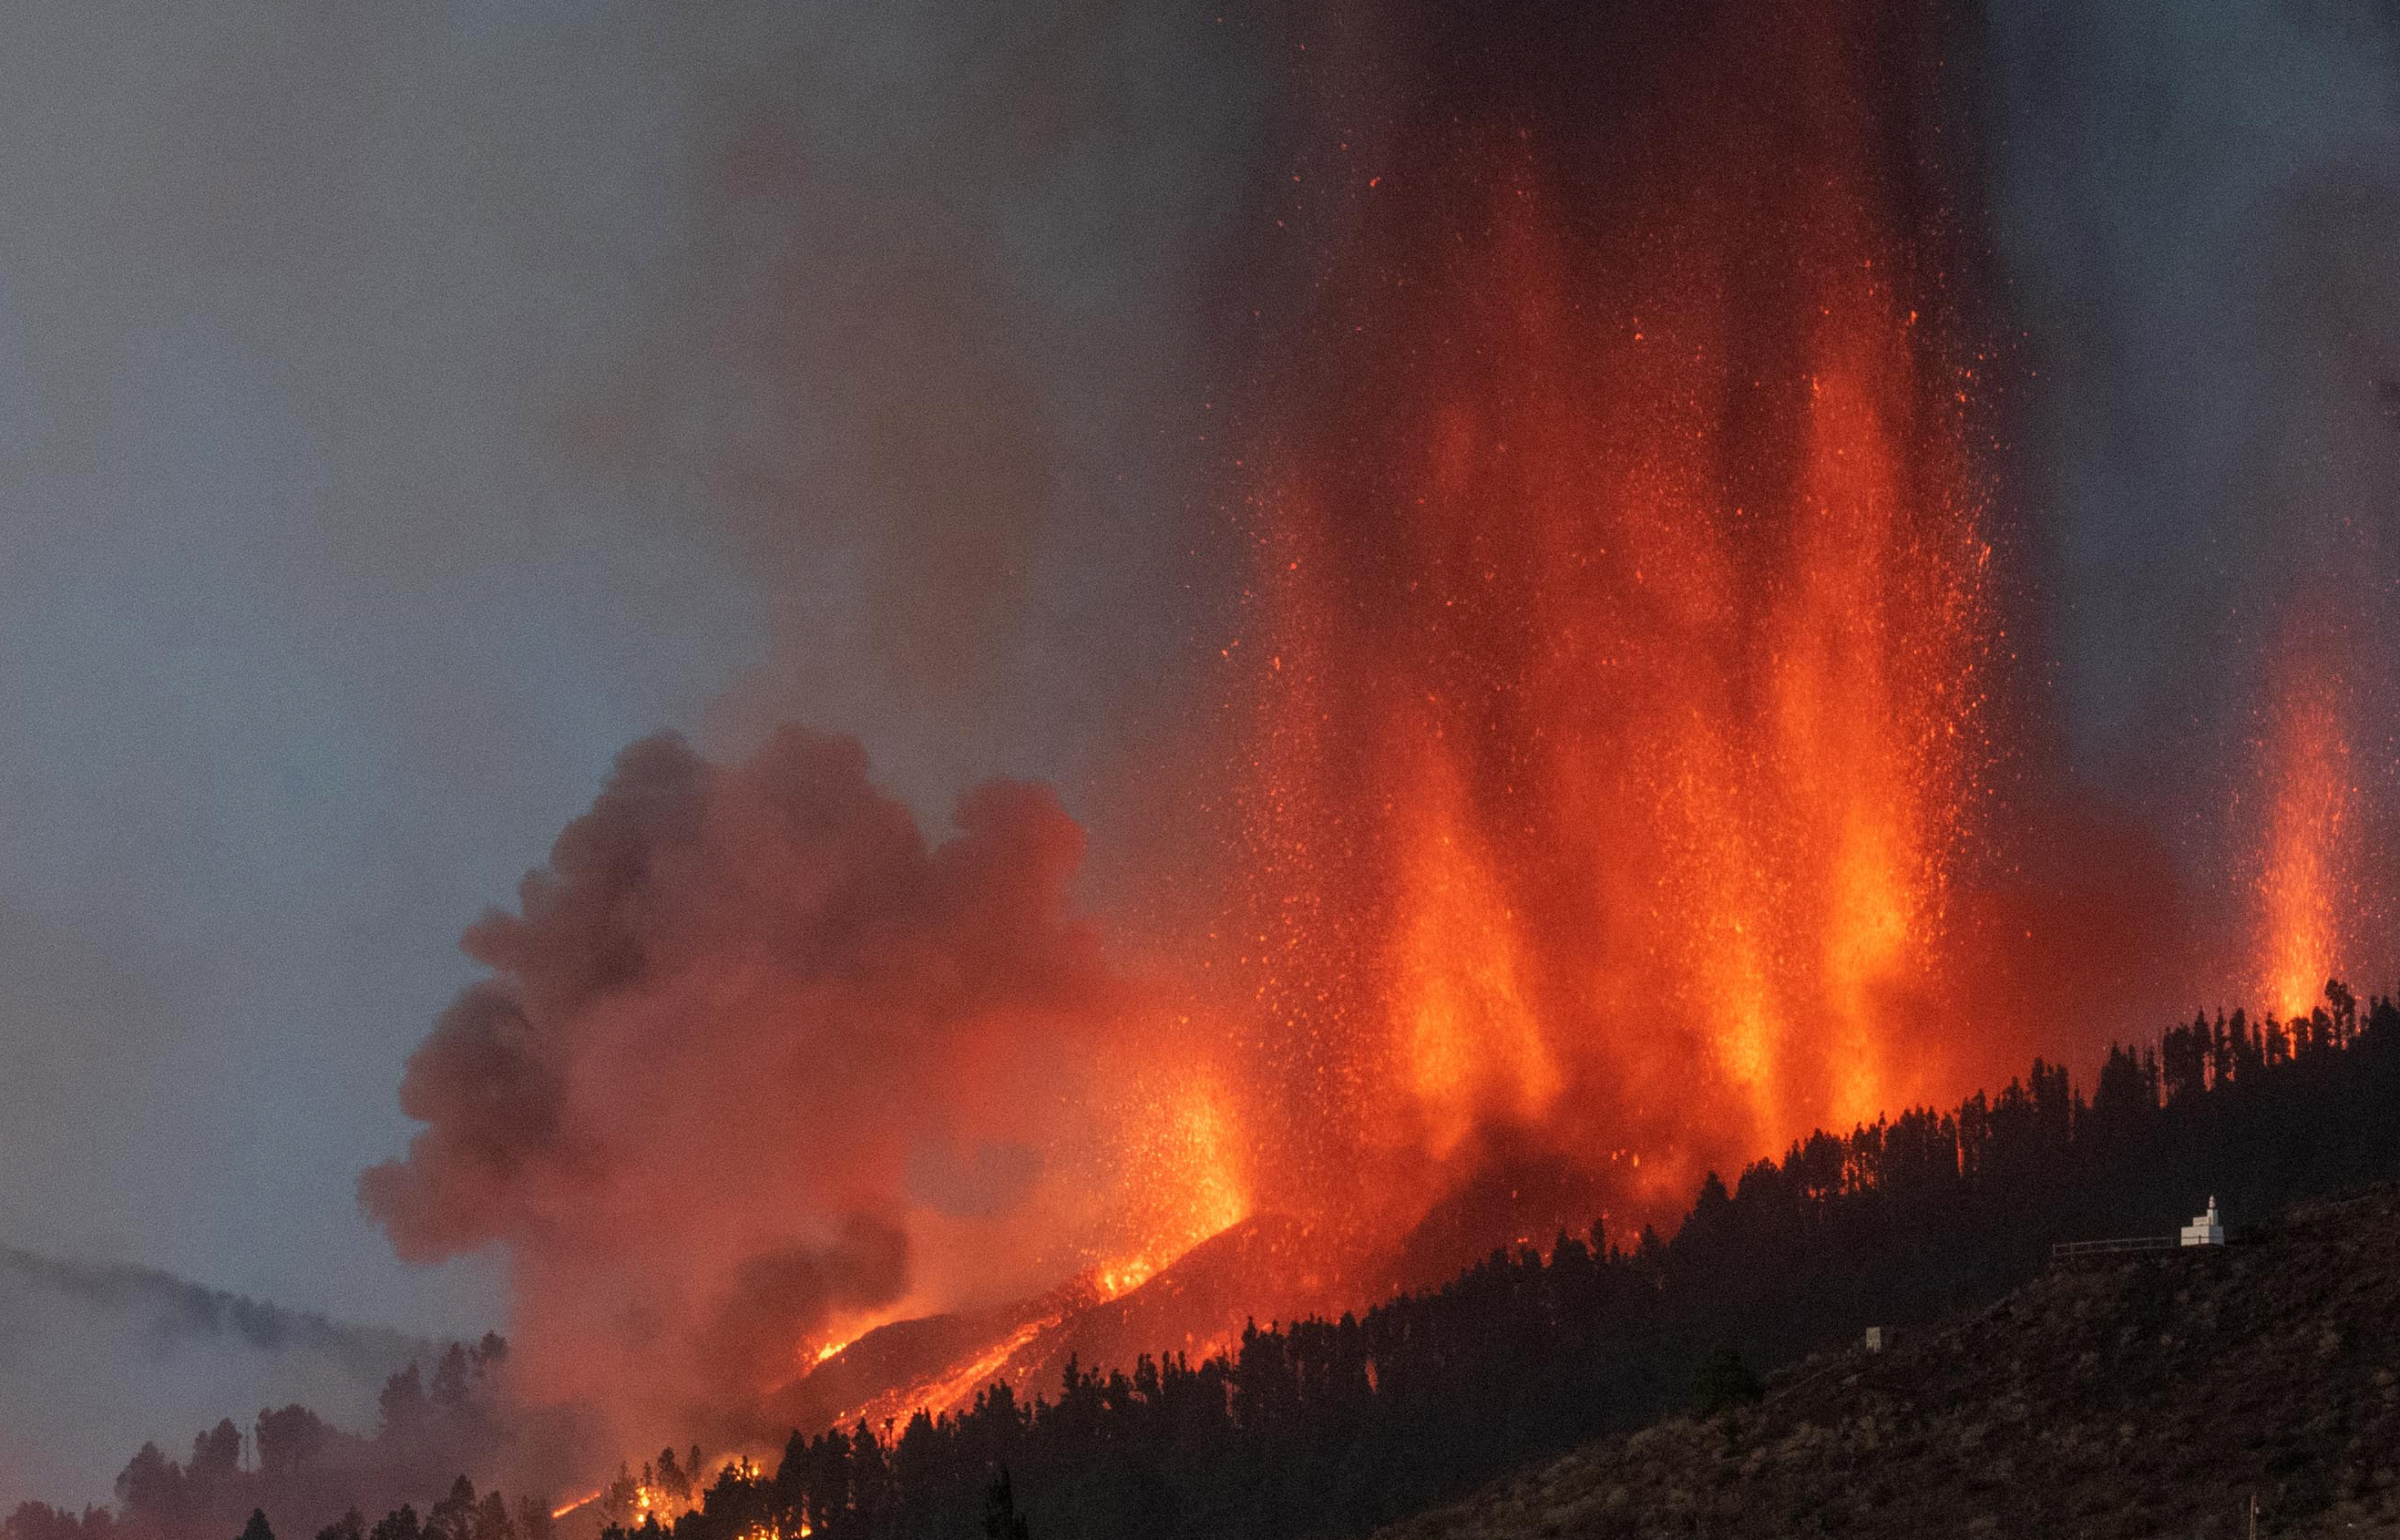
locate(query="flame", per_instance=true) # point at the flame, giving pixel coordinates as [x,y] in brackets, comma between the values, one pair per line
[1124,1277]
[830,1349]
[1472,1043]
[1177,1159]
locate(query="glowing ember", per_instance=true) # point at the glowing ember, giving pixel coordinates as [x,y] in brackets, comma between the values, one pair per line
[1124,1276]
[586,1500]
[1177,1161]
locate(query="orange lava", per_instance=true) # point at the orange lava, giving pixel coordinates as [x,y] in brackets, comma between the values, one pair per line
[564,1509]
[1615,672]
[1176,1160]
[2306,884]
[951,1390]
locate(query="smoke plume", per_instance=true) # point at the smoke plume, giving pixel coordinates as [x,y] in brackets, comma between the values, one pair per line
[746,1056]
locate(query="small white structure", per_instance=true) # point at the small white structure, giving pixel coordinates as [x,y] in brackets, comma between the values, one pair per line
[2207,1230]
[1874,1339]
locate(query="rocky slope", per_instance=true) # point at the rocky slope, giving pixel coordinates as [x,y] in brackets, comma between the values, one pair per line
[2135,1397]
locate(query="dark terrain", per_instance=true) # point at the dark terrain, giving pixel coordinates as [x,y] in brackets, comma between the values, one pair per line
[2149,1396]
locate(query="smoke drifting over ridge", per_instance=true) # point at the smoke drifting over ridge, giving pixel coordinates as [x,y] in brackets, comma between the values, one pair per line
[101,1354]
[175,1310]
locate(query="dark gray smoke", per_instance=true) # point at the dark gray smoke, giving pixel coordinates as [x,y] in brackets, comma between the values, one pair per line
[703,1095]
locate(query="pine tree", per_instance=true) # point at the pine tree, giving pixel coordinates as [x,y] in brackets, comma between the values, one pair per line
[1000,1519]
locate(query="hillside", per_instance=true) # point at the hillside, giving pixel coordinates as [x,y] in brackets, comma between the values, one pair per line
[2134,1398]
[1332,1428]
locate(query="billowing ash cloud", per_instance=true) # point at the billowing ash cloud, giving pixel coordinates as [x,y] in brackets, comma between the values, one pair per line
[533,375]
[730,1039]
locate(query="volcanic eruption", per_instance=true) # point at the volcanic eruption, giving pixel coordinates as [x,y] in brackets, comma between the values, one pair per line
[1616,758]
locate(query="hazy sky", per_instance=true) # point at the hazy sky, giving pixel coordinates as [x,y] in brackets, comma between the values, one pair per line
[404,407]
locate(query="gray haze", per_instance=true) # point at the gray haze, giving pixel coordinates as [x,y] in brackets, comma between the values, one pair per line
[92,1349]
[2199,206]
[402,408]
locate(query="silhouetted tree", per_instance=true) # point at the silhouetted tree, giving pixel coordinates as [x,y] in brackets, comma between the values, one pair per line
[1000,1519]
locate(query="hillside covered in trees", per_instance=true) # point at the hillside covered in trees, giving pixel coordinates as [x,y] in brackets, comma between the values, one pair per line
[2116,1397]
[1334,1428]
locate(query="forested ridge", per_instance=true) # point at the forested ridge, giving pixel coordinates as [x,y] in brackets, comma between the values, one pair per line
[1330,1429]
[2215,1390]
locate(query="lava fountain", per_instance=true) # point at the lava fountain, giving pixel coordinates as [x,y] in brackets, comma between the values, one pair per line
[1611,677]
[2312,911]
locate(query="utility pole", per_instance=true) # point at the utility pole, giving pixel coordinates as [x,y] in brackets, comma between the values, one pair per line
[2254,1515]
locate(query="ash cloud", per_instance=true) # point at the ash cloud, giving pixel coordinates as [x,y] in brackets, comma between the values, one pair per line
[725,1024]
[938,359]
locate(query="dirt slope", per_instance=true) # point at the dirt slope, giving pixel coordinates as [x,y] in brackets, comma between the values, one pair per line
[2136,1397]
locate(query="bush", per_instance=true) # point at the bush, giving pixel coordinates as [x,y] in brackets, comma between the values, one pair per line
[1724,1381]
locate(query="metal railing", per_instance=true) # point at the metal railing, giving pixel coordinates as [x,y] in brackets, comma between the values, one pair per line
[2062,1249]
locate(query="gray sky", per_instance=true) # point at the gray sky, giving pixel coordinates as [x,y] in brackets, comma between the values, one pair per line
[402,408]
[2199,207]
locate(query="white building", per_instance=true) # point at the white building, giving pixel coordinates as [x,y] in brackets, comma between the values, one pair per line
[2207,1230]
